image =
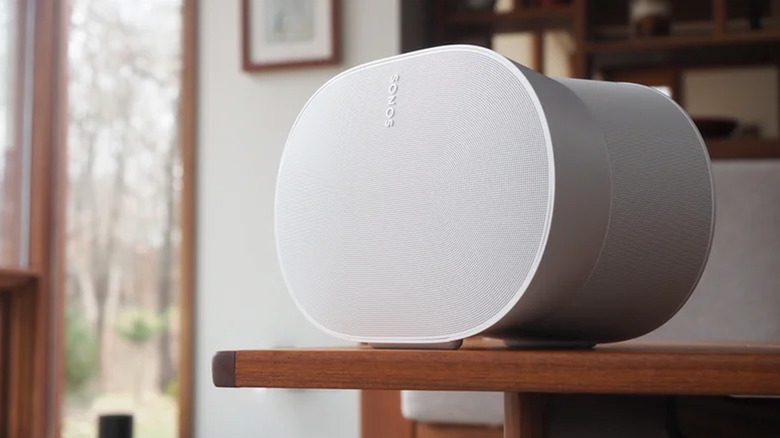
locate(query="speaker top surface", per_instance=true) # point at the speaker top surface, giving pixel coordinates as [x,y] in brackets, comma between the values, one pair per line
[414,197]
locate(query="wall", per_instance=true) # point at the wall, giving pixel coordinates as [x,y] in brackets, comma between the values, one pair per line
[241,299]
[741,92]
[558,47]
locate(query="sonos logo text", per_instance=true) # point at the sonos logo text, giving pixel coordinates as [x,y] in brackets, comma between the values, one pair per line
[392,91]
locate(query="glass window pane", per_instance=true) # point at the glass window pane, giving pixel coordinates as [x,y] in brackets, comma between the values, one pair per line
[14,148]
[122,244]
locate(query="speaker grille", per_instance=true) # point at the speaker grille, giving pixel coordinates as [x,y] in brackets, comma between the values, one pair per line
[424,229]
[661,217]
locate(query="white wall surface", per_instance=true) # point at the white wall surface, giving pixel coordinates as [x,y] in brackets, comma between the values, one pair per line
[741,92]
[558,47]
[241,299]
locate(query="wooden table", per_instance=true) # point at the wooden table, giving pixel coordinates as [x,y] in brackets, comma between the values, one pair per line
[524,376]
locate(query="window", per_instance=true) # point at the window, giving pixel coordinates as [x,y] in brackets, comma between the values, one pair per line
[130,125]
[123,238]
[14,145]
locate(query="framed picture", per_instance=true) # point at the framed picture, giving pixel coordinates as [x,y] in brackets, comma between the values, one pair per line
[289,33]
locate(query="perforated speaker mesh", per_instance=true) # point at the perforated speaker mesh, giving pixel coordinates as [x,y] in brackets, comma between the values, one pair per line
[661,218]
[423,229]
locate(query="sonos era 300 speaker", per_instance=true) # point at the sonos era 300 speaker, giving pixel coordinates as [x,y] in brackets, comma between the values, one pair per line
[450,192]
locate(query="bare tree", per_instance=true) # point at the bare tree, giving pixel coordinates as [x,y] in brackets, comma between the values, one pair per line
[123,152]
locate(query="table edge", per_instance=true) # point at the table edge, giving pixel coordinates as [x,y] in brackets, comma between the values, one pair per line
[223,369]
[227,373]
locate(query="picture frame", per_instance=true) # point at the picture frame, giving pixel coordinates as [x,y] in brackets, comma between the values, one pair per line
[277,34]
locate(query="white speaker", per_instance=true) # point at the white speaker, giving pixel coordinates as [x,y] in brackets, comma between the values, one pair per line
[449,192]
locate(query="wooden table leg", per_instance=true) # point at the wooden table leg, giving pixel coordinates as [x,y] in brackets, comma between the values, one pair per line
[524,415]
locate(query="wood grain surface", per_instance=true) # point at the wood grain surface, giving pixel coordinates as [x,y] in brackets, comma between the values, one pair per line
[617,369]
[380,416]
[525,415]
[188,120]
[426,430]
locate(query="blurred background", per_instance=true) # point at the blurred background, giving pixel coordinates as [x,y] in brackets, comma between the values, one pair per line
[122,222]
[120,276]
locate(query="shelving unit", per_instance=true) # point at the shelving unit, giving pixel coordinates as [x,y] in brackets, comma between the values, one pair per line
[698,377]
[704,34]
[743,148]
[520,20]
[684,41]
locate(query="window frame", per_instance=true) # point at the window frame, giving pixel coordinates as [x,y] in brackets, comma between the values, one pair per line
[32,298]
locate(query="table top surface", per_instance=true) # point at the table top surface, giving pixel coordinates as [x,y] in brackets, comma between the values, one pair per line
[624,368]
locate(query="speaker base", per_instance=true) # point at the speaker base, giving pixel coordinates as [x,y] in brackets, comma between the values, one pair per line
[452,345]
[546,344]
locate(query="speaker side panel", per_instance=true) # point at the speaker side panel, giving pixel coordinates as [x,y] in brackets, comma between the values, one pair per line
[580,208]
[660,222]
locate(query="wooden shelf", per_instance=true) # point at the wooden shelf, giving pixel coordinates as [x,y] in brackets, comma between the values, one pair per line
[627,368]
[682,42]
[743,148]
[520,20]
[686,51]
[706,39]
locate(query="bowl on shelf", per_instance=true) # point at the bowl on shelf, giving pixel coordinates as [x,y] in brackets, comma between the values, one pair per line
[715,127]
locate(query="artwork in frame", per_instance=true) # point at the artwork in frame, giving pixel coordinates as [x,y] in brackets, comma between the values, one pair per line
[289,33]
